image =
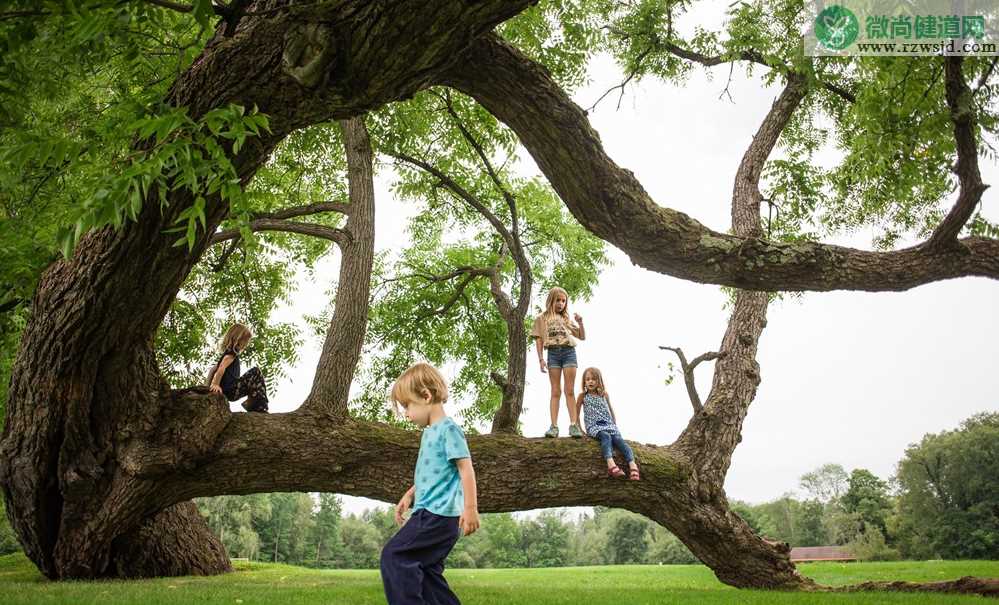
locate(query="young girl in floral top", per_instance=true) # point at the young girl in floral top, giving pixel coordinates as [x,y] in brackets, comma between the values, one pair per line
[598,416]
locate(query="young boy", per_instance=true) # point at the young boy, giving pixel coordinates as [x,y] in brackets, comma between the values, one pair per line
[445,497]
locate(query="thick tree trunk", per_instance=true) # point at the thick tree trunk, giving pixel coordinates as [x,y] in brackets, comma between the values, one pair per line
[345,335]
[507,417]
[99,457]
[87,406]
[176,541]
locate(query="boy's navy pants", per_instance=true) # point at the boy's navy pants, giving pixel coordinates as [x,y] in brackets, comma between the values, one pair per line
[413,560]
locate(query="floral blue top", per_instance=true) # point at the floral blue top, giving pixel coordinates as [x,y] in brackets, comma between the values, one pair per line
[597,416]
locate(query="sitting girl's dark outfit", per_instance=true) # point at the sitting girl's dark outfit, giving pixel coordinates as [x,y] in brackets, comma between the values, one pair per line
[250,385]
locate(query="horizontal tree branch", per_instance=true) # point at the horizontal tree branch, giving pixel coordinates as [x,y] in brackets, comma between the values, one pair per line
[375,460]
[315,208]
[339,236]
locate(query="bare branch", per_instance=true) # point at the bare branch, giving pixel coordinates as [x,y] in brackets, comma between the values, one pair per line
[753,57]
[631,75]
[275,221]
[463,270]
[688,373]
[458,191]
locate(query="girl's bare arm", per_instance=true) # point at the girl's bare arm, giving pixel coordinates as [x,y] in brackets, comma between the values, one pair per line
[541,353]
[217,378]
[610,407]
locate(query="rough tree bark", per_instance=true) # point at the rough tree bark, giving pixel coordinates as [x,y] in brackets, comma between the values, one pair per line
[345,335]
[99,457]
[85,389]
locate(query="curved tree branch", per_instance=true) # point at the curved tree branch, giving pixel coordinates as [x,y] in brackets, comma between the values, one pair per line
[611,203]
[712,435]
[512,385]
[460,192]
[514,245]
[262,219]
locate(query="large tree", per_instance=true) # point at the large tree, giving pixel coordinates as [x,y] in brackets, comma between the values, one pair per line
[100,458]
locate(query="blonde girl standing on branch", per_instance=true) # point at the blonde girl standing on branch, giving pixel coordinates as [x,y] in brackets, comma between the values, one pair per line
[555,332]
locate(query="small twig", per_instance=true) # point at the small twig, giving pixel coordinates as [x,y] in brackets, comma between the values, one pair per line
[688,373]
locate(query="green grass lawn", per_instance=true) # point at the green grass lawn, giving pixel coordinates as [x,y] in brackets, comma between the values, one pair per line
[265,584]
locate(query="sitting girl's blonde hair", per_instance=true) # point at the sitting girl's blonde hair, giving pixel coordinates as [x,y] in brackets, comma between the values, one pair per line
[420,380]
[236,336]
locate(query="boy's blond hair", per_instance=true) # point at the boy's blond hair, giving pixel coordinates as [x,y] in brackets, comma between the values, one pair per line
[416,383]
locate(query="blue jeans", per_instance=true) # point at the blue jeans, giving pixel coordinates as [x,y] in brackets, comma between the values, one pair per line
[561,357]
[608,441]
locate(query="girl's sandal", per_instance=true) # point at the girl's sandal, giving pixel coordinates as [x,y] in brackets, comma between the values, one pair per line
[615,471]
[633,474]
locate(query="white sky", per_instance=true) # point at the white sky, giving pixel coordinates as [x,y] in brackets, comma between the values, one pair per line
[850,378]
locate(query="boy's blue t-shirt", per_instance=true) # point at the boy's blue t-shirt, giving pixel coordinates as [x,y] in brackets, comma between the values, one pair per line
[438,485]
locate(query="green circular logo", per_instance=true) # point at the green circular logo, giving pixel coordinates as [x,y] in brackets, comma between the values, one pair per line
[836,27]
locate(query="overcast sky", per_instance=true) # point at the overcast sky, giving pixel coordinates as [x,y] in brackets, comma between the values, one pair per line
[850,378]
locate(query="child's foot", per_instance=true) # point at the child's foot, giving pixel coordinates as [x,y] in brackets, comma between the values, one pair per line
[254,405]
[552,431]
[633,474]
[615,471]
[574,431]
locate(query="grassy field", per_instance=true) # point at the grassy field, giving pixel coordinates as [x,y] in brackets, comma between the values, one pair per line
[265,584]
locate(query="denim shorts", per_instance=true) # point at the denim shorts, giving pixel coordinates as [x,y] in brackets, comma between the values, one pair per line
[562,357]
